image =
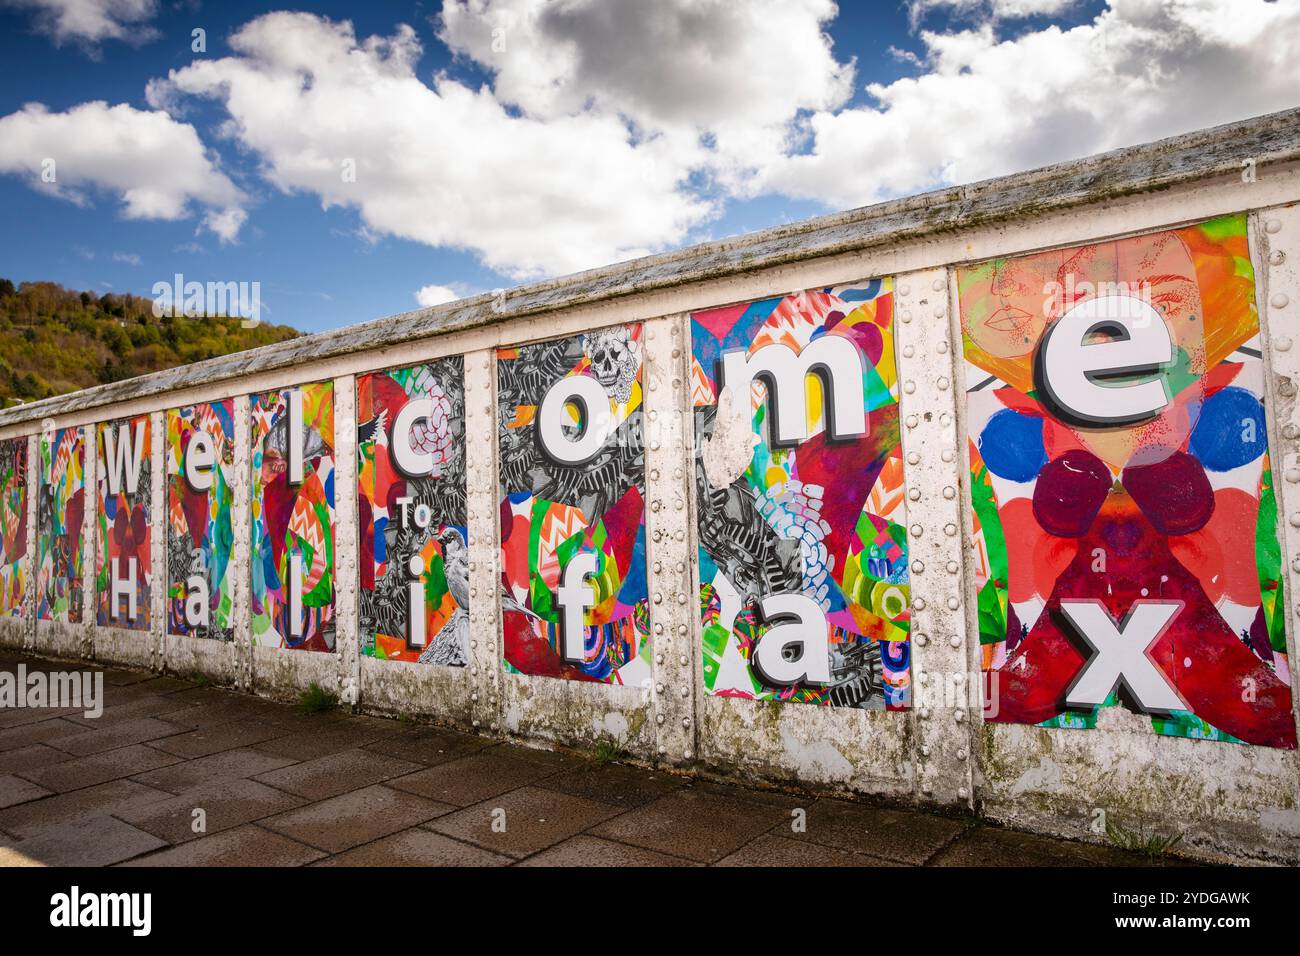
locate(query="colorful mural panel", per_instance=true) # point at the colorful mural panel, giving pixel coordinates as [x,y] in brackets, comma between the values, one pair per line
[13,526]
[61,509]
[1124,516]
[200,532]
[293,518]
[800,499]
[573,531]
[123,562]
[412,513]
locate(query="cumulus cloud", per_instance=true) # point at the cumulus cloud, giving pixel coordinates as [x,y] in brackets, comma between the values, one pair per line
[719,80]
[348,120]
[156,166]
[91,21]
[431,295]
[987,106]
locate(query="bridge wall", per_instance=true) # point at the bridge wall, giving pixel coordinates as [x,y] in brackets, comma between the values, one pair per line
[675,683]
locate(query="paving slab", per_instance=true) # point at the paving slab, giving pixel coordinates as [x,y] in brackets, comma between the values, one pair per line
[479,776]
[210,740]
[36,815]
[112,736]
[94,841]
[589,851]
[361,816]
[31,757]
[338,773]
[225,765]
[429,746]
[770,850]
[248,845]
[615,784]
[15,790]
[523,821]
[79,772]
[694,824]
[417,847]
[906,836]
[224,804]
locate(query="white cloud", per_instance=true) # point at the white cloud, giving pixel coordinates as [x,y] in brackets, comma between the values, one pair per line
[156,166]
[1141,71]
[430,295]
[91,21]
[130,258]
[348,120]
[734,74]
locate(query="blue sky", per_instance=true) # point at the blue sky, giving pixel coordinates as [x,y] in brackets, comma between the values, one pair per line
[648,145]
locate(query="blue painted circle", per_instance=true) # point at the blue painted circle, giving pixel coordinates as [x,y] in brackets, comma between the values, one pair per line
[1012,445]
[1230,431]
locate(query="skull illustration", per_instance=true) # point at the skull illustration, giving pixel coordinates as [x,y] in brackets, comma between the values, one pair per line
[615,360]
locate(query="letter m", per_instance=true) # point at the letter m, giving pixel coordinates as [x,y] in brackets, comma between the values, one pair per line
[122,453]
[835,359]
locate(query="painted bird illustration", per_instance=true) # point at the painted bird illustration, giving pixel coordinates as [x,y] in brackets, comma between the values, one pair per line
[451,646]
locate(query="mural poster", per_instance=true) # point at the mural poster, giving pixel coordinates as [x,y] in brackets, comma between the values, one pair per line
[1124,515]
[572,471]
[804,589]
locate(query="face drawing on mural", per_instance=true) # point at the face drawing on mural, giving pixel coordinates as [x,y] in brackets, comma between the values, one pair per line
[795,520]
[1098,542]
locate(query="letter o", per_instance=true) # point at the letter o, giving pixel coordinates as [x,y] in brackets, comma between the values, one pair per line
[593,410]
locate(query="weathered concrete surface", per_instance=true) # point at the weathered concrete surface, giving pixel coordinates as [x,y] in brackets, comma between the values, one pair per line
[1272,141]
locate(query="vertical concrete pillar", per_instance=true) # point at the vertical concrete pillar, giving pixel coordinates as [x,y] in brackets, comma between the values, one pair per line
[929,412]
[674,606]
[158,537]
[347,638]
[1276,248]
[481,491]
[242,530]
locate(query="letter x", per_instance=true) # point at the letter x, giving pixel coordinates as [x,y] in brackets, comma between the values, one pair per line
[1122,655]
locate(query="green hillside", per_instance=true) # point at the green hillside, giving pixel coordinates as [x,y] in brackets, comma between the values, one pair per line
[55,340]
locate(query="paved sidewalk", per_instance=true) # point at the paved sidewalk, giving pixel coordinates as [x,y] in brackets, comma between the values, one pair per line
[277,787]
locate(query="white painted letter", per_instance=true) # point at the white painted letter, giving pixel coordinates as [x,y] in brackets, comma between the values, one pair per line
[294,437]
[593,411]
[407,460]
[574,597]
[1069,365]
[835,359]
[798,623]
[122,456]
[200,456]
[122,586]
[1122,655]
[196,601]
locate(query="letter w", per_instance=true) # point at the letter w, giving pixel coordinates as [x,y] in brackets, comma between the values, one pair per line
[122,456]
